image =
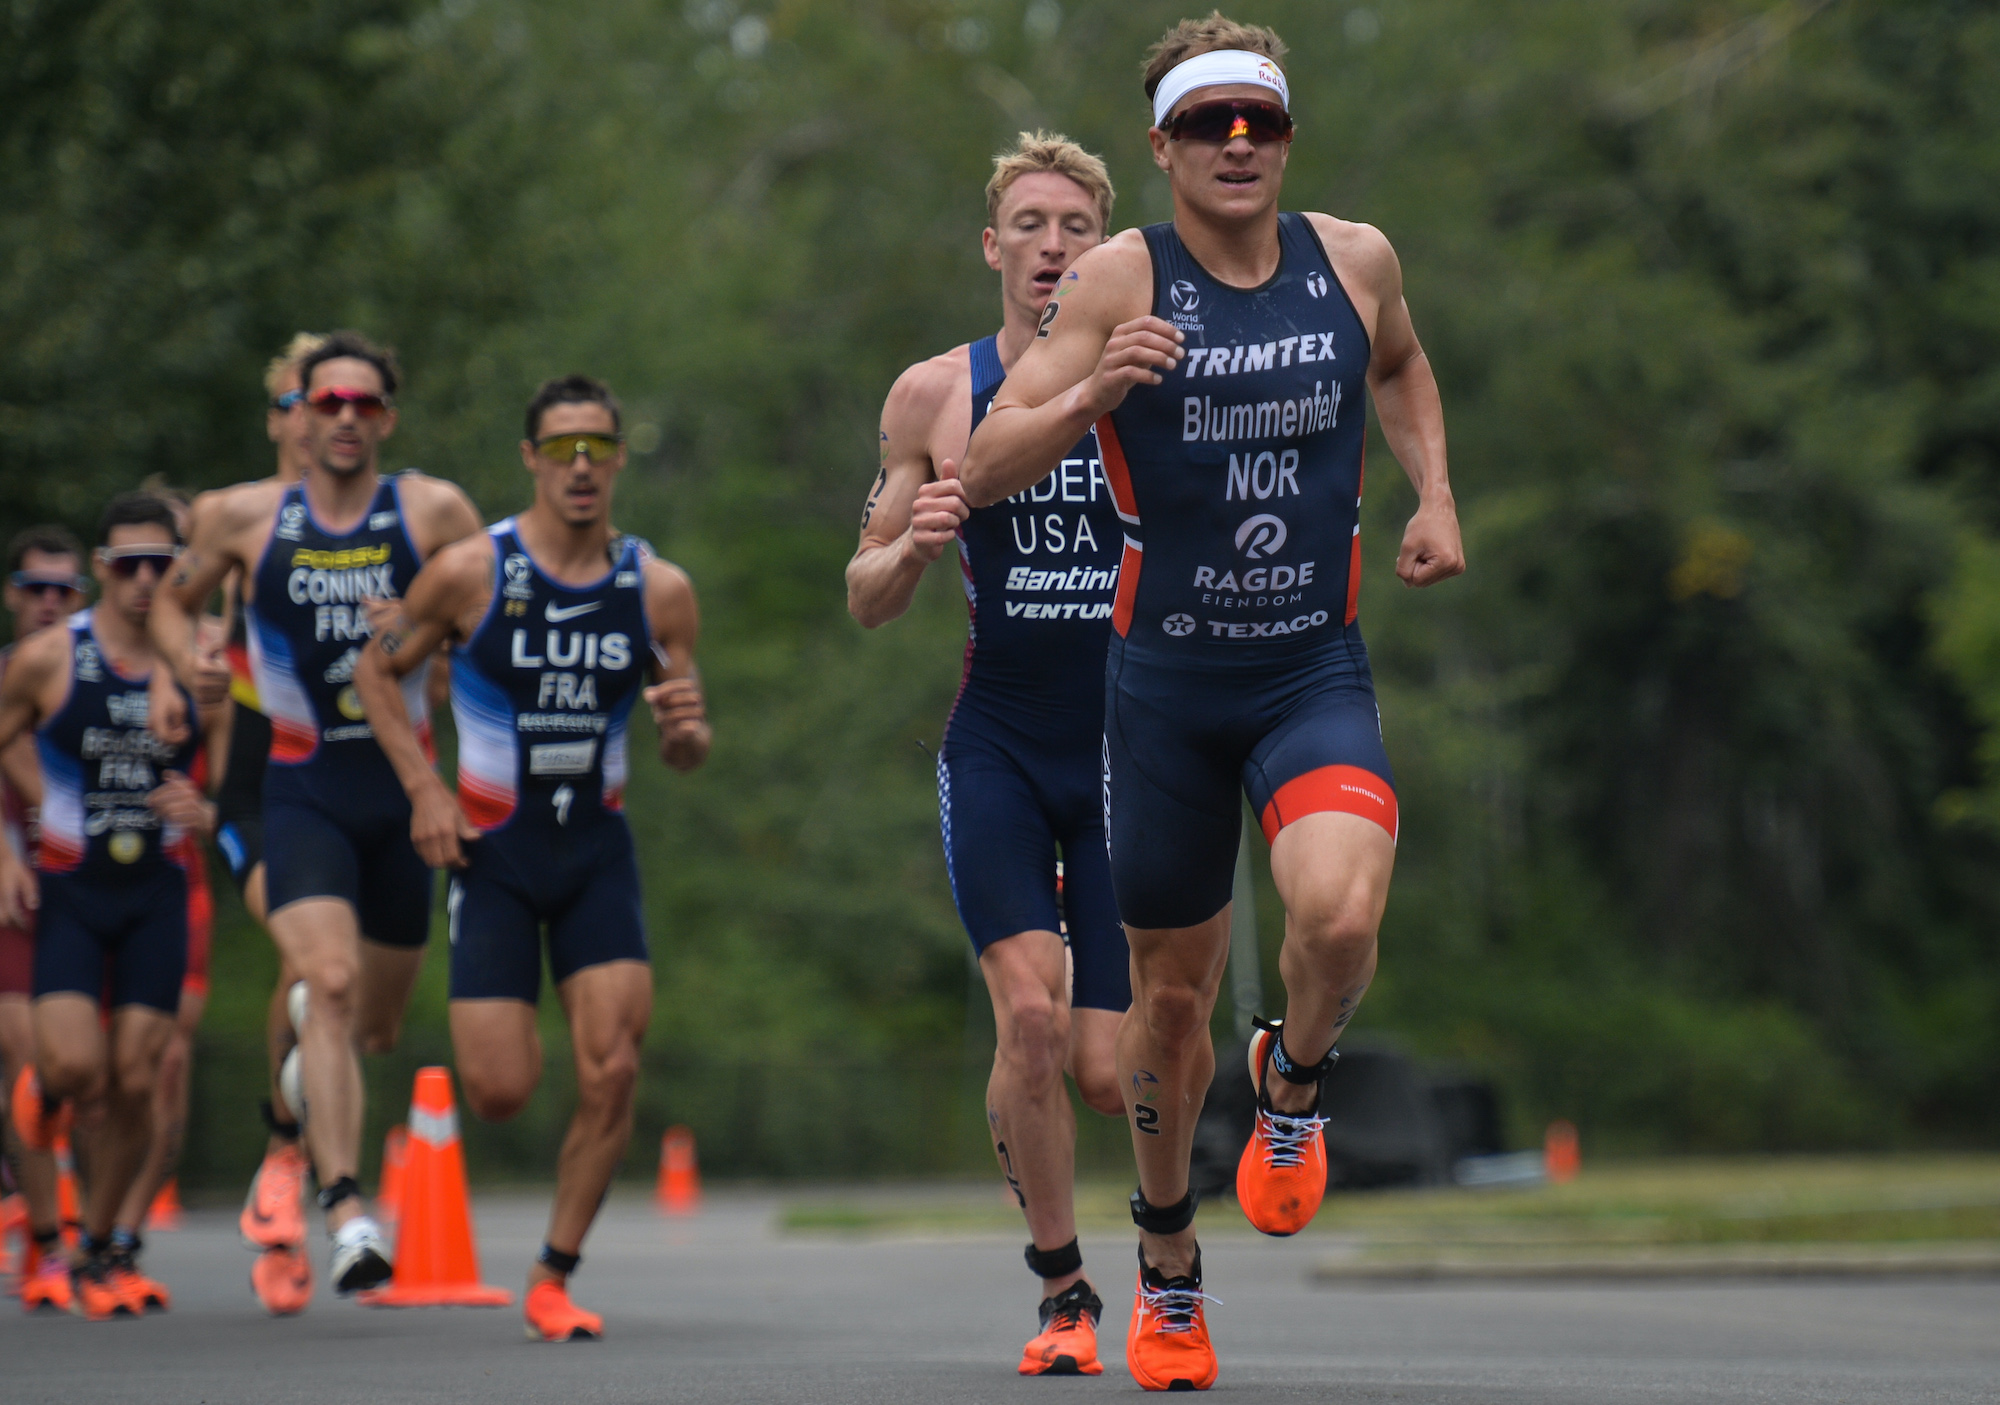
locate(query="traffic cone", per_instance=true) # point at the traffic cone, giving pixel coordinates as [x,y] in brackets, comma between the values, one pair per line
[1560,1158]
[389,1199]
[164,1214]
[679,1191]
[437,1263]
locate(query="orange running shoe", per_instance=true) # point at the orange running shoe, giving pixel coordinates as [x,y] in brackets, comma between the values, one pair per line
[40,1122]
[272,1217]
[140,1293]
[1167,1347]
[1067,1344]
[1281,1176]
[282,1278]
[552,1317]
[47,1285]
[93,1296]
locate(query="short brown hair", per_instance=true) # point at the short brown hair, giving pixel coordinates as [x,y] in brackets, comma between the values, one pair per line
[302,345]
[1191,37]
[49,539]
[352,346]
[1057,154]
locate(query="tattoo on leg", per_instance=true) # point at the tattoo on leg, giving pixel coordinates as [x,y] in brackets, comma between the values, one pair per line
[1007,1170]
[1145,1116]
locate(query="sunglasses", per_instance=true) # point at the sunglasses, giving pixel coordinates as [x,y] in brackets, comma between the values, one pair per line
[563,448]
[290,398]
[1230,118]
[329,401]
[125,561]
[43,586]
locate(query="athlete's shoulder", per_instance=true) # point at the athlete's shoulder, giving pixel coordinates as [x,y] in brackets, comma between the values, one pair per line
[238,506]
[42,653]
[931,384]
[1359,250]
[463,564]
[437,510]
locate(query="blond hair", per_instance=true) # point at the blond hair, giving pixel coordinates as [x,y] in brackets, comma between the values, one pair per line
[302,345]
[1192,37]
[1053,152]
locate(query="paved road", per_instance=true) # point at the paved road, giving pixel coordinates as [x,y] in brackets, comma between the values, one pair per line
[723,1308]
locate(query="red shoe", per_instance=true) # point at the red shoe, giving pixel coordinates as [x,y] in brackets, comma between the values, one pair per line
[272,1217]
[282,1278]
[1281,1176]
[94,1297]
[1067,1344]
[1167,1347]
[552,1317]
[47,1285]
[139,1293]
[39,1122]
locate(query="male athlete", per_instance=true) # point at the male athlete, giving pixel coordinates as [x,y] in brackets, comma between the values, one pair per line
[348,899]
[1018,772]
[556,622]
[45,585]
[109,887]
[1224,358]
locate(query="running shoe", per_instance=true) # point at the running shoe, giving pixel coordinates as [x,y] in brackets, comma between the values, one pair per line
[47,1285]
[272,1214]
[552,1317]
[1281,1176]
[360,1258]
[1167,1347]
[1067,1345]
[282,1279]
[40,1122]
[93,1296]
[140,1293]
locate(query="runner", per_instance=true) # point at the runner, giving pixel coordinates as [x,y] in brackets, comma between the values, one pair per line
[555,619]
[1018,773]
[1236,664]
[109,889]
[45,585]
[349,900]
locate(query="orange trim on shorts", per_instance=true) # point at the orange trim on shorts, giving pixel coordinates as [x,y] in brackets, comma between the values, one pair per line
[1347,790]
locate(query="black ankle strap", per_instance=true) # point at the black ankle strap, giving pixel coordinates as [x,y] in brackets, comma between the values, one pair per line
[346,1188]
[1054,1263]
[1164,1219]
[1282,1063]
[552,1257]
[288,1130]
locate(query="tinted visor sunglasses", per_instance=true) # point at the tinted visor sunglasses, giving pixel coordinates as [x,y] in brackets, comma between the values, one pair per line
[43,585]
[563,448]
[329,402]
[125,561]
[1229,118]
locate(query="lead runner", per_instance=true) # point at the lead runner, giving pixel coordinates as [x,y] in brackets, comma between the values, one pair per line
[1224,359]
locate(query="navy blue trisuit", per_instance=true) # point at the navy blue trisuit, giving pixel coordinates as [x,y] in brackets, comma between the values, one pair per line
[114,880]
[1235,663]
[336,820]
[1019,770]
[541,694]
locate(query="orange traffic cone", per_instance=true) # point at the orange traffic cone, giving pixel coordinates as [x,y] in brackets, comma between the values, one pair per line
[164,1214]
[1560,1158]
[679,1191]
[395,1151]
[437,1262]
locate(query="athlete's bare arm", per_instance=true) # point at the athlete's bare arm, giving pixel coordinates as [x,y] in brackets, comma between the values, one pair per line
[1094,345]
[1406,395]
[22,771]
[227,530]
[916,504]
[443,605]
[679,710]
[35,679]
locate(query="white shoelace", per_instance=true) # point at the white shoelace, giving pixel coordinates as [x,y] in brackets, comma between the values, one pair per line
[1286,1136]
[1173,1309]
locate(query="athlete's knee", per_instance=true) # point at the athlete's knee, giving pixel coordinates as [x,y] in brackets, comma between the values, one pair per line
[609,1079]
[1097,1085]
[1036,1038]
[134,1075]
[77,1075]
[381,1039]
[494,1096]
[1176,1013]
[331,987]
[1332,941]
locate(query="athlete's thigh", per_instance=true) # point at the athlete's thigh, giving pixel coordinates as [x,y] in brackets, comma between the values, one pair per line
[495,931]
[393,903]
[609,1006]
[1323,753]
[387,976]
[1093,1057]
[139,1037]
[999,850]
[600,919]
[149,961]
[17,1036]
[70,950]
[317,938]
[499,1052]
[69,1036]
[1171,766]
[1100,961]
[1024,971]
[308,855]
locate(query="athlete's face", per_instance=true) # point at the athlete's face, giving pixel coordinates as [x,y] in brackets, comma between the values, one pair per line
[149,548]
[346,442]
[289,431]
[1046,223]
[575,489]
[48,590]
[1229,180]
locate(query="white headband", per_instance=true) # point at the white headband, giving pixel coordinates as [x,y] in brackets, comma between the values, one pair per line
[1212,69]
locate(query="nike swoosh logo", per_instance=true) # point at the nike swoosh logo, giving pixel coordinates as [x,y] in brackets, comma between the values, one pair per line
[557,614]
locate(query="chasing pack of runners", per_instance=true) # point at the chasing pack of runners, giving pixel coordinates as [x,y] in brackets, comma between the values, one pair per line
[1152,477]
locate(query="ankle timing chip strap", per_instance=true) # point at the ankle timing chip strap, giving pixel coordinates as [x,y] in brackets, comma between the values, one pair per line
[1164,1219]
[1291,1072]
[1054,1263]
[552,1257]
[288,1130]
[343,1189]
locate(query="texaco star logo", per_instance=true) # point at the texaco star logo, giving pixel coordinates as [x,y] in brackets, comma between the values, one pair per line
[1178,625]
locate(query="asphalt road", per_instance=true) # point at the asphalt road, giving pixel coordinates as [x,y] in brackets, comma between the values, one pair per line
[722,1307]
